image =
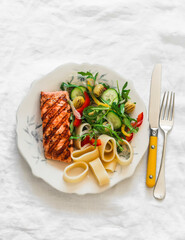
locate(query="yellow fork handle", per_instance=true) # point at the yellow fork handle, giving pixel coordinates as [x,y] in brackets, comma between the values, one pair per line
[152,159]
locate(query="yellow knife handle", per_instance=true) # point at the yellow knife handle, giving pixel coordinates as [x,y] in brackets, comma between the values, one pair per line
[152,159]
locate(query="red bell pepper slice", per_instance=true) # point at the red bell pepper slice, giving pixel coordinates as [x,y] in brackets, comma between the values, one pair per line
[85,141]
[135,124]
[86,103]
[139,121]
[98,142]
[140,117]
[92,141]
[77,122]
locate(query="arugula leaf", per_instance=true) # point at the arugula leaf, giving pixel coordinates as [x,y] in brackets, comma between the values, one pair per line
[100,107]
[119,95]
[85,74]
[96,75]
[69,85]
[71,127]
[131,119]
[120,148]
[101,117]
[104,101]
[62,86]
[128,124]
[89,75]
[115,107]
[79,137]
[125,93]
[120,110]
[94,114]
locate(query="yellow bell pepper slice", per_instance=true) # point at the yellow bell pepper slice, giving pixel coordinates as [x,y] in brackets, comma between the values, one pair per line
[124,132]
[93,97]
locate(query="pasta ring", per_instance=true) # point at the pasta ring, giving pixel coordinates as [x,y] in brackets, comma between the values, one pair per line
[79,132]
[77,178]
[105,154]
[108,147]
[122,160]
[85,154]
[99,172]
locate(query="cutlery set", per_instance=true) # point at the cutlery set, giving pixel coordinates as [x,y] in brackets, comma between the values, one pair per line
[158,117]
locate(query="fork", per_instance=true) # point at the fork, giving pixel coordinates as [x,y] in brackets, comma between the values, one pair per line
[166,124]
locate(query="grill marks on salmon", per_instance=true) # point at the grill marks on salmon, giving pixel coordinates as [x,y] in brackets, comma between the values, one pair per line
[55,114]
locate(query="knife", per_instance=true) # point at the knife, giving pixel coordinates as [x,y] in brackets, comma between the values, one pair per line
[154,108]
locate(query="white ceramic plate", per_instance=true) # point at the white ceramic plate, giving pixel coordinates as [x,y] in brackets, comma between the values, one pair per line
[29,131]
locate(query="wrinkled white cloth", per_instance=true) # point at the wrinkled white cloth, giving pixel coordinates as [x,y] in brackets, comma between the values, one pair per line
[129,37]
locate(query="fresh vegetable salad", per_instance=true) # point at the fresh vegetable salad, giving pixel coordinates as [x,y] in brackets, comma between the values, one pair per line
[105,108]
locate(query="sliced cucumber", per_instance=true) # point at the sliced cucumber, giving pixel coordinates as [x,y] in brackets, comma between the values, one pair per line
[114,119]
[77,92]
[110,95]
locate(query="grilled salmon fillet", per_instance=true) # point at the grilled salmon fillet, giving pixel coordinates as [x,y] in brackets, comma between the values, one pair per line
[55,114]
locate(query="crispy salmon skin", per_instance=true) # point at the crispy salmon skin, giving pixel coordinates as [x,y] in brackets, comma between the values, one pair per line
[55,114]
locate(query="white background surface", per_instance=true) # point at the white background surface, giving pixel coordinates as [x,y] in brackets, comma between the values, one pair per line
[128,36]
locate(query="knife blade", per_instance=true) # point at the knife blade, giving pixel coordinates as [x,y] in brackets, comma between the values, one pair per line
[154,109]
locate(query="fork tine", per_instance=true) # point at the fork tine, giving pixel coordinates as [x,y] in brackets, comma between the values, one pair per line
[165,110]
[170,107]
[173,104]
[161,112]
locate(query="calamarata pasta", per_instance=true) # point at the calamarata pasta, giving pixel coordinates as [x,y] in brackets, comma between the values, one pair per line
[85,154]
[79,177]
[99,172]
[107,148]
[80,131]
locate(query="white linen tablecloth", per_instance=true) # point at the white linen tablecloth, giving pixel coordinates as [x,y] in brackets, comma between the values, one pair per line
[129,37]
